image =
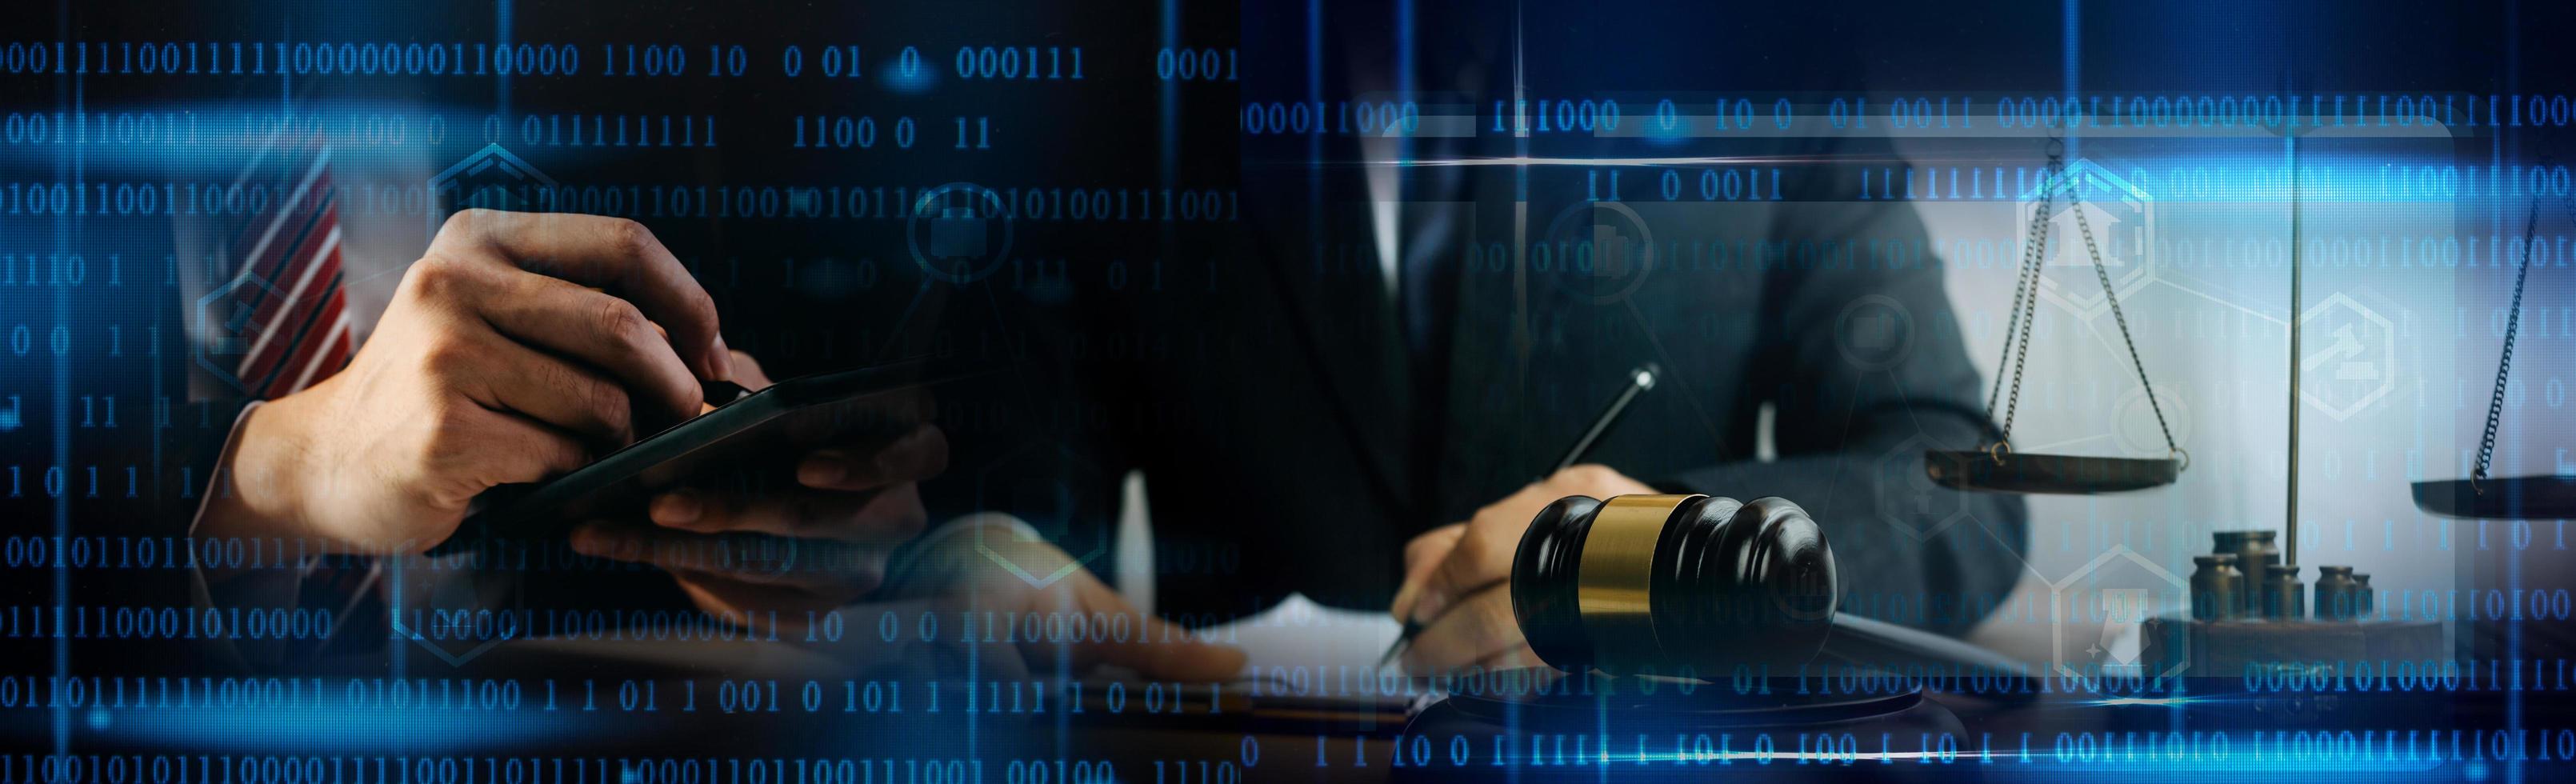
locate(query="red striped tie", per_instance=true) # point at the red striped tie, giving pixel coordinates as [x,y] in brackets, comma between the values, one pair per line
[295,331]
[298,332]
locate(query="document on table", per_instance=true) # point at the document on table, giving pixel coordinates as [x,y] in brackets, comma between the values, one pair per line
[1297,632]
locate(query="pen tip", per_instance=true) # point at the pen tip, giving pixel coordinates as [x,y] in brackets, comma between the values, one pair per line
[1394,648]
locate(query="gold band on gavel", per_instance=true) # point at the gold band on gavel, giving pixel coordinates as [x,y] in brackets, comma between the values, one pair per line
[1616,574]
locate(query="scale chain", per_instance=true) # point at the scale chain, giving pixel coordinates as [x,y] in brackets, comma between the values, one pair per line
[2024,317]
[2034,253]
[2012,324]
[2029,319]
[2123,320]
[2504,363]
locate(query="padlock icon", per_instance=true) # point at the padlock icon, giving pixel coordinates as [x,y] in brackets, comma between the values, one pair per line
[969,232]
[958,232]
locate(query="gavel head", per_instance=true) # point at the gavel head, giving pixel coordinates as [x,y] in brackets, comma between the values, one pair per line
[1684,585]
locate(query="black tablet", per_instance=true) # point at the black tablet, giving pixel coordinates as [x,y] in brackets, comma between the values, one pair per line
[748,444]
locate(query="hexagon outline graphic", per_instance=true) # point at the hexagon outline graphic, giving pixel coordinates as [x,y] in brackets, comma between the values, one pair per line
[2124,283]
[2057,608]
[221,293]
[452,659]
[390,578]
[2387,359]
[492,156]
[2177,411]
[1035,580]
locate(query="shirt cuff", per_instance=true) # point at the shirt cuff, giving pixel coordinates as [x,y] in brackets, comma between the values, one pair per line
[270,587]
[216,474]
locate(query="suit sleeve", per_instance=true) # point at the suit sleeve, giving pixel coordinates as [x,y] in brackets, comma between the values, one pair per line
[1871,370]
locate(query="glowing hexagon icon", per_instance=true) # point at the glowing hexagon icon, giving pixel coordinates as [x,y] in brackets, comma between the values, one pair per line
[491,178]
[1046,486]
[2358,363]
[1907,499]
[226,327]
[2116,628]
[2122,218]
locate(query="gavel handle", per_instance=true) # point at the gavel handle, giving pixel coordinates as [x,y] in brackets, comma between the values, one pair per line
[1876,643]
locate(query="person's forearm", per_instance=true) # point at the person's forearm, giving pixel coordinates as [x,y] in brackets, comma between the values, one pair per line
[245,496]
[256,484]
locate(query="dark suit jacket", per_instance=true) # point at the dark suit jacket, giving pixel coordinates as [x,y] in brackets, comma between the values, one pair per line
[1268,395]
[1293,442]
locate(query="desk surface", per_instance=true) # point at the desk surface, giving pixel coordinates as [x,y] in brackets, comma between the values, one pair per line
[2364,734]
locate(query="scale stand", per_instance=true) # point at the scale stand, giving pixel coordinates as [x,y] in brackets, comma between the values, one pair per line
[2298,212]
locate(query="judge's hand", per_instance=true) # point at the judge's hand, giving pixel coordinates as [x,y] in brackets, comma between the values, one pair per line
[987,564]
[1457,577]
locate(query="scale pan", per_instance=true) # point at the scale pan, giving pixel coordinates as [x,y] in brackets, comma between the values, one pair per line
[2506,498]
[2050,474]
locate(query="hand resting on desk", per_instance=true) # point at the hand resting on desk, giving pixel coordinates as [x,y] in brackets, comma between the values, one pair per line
[993,564]
[1457,578]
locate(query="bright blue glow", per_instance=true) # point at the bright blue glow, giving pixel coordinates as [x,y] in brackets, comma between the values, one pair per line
[917,81]
[305,729]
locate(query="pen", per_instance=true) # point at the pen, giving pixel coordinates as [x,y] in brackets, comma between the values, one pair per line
[1640,379]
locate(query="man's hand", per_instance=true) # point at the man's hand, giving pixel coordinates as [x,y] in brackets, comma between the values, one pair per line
[483,371]
[819,546]
[1457,577]
[1085,623]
